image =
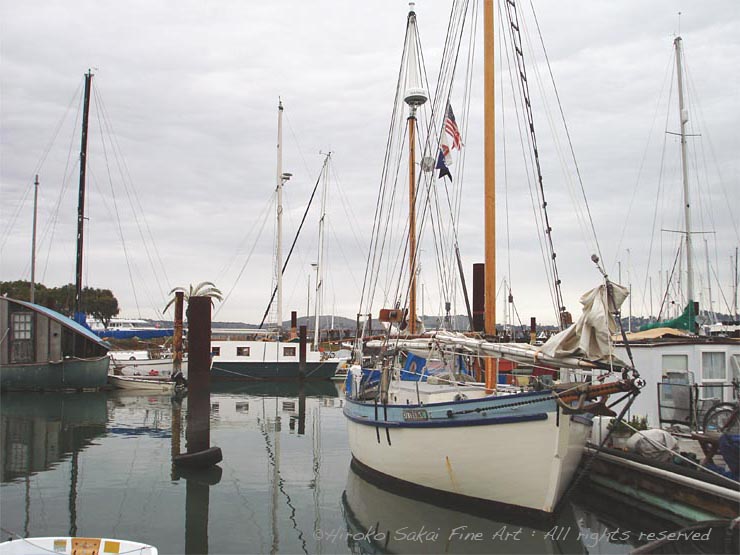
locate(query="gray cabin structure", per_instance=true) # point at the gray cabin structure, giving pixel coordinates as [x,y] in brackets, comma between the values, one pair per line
[41,349]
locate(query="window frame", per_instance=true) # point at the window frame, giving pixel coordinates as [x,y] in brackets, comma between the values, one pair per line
[712,383]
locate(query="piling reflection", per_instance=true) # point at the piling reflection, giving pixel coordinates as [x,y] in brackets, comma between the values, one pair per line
[198,484]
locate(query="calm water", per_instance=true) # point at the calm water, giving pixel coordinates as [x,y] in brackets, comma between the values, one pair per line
[99,464]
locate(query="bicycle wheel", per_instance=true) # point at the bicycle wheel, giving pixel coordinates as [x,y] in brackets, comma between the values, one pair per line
[719,417]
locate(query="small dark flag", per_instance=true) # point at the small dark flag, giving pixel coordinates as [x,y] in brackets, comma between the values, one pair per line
[442,166]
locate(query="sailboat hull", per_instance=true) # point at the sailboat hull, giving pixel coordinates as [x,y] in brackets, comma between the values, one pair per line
[521,460]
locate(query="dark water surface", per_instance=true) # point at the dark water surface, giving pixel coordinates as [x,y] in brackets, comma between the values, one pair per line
[99,464]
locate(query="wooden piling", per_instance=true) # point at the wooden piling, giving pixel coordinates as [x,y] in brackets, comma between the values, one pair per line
[177,335]
[302,353]
[479,297]
[199,453]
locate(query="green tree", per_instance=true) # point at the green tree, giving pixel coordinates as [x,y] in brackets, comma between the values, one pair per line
[99,303]
[203,289]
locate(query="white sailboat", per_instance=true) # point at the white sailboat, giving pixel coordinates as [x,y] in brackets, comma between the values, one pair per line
[423,426]
[692,372]
[252,355]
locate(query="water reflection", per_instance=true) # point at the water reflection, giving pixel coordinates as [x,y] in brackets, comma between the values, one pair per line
[41,429]
[286,451]
[381,521]
[140,413]
[314,388]
[101,465]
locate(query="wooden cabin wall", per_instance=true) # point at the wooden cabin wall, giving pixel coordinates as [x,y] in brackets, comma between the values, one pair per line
[41,333]
[55,340]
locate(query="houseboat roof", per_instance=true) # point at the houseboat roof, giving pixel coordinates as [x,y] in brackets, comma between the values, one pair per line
[63,320]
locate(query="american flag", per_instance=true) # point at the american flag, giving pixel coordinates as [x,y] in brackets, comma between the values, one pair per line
[446,145]
[452,130]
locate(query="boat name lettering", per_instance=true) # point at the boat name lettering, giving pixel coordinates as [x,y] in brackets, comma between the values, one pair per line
[415,415]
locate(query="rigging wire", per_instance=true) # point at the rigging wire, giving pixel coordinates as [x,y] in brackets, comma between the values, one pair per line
[115,201]
[658,193]
[537,214]
[37,168]
[134,201]
[368,286]
[567,132]
[435,129]
[292,246]
[501,50]
[66,177]
[266,213]
[518,48]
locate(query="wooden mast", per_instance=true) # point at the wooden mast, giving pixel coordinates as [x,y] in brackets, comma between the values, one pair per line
[81,196]
[489,170]
[415,96]
[489,118]
[412,223]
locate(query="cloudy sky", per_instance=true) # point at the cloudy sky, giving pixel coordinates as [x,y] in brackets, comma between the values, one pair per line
[185,109]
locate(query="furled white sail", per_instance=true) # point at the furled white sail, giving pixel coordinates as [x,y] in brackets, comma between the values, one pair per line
[589,337]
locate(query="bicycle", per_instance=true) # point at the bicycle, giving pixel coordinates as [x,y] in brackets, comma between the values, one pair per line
[723,417]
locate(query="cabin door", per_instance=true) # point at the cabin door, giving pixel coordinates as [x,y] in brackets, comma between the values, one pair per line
[21,337]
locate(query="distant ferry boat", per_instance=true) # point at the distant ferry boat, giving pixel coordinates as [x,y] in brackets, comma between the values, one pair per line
[126,328]
[252,354]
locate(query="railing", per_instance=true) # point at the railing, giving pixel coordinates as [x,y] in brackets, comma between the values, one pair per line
[686,404]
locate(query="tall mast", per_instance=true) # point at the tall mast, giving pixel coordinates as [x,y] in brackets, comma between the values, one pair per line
[709,280]
[320,259]
[281,179]
[81,196]
[415,96]
[490,169]
[684,118]
[734,297]
[33,239]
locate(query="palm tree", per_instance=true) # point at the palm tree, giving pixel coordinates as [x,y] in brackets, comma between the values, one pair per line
[203,289]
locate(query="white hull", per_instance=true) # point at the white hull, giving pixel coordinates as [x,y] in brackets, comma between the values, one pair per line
[68,546]
[525,464]
[142,384]
[149,367]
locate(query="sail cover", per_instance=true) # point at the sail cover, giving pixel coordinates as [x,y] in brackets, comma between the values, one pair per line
[590,336]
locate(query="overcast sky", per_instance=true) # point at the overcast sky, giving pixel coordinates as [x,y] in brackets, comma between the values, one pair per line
[188,92]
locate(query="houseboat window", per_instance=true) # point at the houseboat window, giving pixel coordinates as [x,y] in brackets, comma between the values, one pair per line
[288,351]
[242,351]
[22,337]
[215,351]
[714,374]
[675,363]
[735,367]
